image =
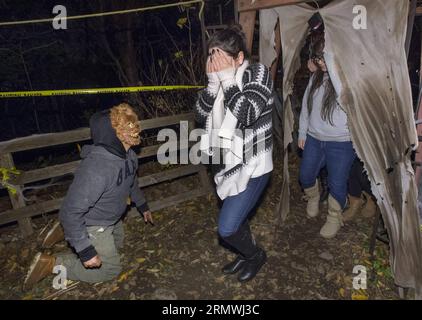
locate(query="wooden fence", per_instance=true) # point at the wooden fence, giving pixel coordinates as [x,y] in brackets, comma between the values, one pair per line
[22,212]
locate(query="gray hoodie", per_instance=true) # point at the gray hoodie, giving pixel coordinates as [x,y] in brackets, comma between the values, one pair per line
[314,125]
[105,179]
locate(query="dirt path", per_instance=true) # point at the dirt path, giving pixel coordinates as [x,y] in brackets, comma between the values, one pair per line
[180,258]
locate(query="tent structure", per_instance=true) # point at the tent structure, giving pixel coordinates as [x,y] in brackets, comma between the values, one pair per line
[368,67]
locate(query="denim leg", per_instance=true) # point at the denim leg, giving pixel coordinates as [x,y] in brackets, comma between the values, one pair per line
[236,209]
[355,180]
[313,159]
[340,157]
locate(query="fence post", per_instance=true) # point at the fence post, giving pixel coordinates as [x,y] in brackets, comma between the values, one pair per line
[203,174]
[6,161]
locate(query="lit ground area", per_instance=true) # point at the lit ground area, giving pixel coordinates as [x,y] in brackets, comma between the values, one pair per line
[180,258]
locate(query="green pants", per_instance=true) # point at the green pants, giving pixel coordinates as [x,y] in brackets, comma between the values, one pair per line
[107,241]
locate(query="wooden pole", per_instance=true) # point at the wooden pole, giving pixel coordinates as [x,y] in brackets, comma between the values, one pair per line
[248,5]
[236,11]
[411,21]
[420,67]
[247,21]
[6,161]
[203,36]
[274,66]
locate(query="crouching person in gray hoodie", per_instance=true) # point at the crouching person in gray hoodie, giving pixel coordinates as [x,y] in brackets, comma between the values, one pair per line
[96,200]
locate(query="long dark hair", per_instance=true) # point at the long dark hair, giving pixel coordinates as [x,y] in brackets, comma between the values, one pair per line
[231,40]
[329,100]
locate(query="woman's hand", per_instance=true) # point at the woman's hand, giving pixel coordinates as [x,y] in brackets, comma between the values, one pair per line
[213,81]
[210,68]
[301,144]
[312,66]
[222,61]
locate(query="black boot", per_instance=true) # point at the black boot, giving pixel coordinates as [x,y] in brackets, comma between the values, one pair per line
[252,266]
[237,264]
[251,257]
[234,266]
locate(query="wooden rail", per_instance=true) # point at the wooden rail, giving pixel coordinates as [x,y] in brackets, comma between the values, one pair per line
[23,213]
[249,5]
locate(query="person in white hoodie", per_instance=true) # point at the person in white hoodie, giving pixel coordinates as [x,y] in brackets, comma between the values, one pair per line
[236,110]
[325,139]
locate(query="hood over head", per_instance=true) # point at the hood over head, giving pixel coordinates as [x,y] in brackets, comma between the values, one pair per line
[103,134]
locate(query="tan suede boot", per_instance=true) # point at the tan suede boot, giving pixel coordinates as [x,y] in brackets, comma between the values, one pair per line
[41,267]
[334,219]
[55,235]
[312,194]
[355,206]
[370,208]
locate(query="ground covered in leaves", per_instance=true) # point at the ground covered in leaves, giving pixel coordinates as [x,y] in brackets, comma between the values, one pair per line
[180,257]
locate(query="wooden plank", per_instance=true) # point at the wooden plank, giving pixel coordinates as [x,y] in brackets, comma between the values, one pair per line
[247,5]
[52,205]
[153,150]
[178,198]
[25,225]
[46,173]
[30,211]
[172,201]
[70,167]
[247,21]
[82,134]
[216,27]
[45,140]
[168,175]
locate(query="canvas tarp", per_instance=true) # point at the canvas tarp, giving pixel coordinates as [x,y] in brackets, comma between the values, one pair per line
[368,68]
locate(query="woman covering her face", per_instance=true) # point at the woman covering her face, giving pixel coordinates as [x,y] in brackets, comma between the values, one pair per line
[325,139]
[235,110]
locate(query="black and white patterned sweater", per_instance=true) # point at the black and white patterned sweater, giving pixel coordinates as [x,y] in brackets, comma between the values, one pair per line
[252,107]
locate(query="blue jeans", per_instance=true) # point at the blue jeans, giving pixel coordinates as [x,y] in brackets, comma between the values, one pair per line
[337,156]
[236,209]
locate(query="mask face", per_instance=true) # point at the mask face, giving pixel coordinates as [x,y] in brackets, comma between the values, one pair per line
[129,133]
[125,122]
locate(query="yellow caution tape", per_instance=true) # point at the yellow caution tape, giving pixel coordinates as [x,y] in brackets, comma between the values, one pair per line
[66,92]
[109,13]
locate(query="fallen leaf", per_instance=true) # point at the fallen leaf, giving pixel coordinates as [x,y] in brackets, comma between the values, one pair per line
[359,297]
[114,289]
[25,253]
[123,277]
